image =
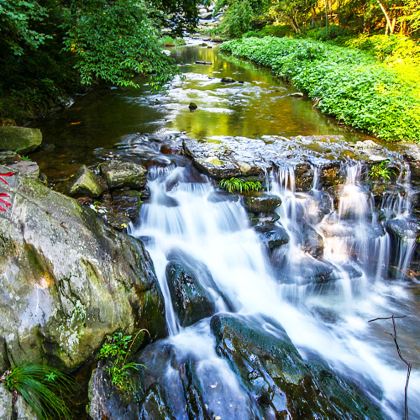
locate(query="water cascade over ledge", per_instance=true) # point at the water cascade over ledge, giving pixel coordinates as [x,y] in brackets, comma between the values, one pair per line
[337,268]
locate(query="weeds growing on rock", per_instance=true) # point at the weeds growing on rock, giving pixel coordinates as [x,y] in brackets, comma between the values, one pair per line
[42,388]
[233,185]
[115,351]
[381,171]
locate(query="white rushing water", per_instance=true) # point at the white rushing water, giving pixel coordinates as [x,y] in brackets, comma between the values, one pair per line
[322,287]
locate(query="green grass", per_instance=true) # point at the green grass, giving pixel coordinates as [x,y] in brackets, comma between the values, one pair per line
[349,84]
[237,185]
[42,388]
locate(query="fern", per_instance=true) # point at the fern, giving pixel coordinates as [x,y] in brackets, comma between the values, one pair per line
[233,185]
[381,171]
[41,387]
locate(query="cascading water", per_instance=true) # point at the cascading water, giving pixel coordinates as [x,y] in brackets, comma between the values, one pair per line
[332,268]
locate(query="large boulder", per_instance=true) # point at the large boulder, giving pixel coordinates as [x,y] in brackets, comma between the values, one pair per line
[68,280]
[20,139]
[120,174]
[280,380]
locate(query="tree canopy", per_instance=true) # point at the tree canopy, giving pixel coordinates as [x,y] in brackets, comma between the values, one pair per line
[49,47]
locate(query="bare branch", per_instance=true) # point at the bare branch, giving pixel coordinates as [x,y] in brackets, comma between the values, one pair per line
[406,362]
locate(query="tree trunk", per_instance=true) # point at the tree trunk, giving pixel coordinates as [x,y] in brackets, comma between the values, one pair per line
[387,18]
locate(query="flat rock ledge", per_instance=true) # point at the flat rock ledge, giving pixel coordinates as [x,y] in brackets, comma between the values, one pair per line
[225,157]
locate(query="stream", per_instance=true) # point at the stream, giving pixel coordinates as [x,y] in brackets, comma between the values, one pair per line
[320,296]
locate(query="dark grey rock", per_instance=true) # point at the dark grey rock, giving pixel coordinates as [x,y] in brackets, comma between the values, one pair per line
[262,203]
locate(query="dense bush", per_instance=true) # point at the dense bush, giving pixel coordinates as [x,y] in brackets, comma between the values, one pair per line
[346,83]
[327,33]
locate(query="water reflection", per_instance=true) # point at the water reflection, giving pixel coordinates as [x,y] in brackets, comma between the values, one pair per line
[257,106]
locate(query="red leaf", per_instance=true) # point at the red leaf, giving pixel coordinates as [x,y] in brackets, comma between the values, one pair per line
[4,202]
[7,174]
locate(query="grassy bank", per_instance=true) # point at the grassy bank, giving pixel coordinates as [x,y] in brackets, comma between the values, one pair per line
[347,83]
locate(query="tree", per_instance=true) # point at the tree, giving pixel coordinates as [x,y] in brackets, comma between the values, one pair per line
[114,42]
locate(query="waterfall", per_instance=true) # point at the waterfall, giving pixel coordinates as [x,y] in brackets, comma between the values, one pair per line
[335,265]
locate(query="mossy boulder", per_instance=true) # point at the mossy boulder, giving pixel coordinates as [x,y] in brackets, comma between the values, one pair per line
[86,183]
[20,139]
[68,280]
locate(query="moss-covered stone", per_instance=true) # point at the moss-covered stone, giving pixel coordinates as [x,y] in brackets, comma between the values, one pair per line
[86,183]
[20,139]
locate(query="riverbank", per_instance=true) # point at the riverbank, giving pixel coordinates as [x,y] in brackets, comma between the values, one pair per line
[343,82]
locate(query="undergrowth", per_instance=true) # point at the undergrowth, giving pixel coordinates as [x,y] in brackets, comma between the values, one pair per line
[350,84]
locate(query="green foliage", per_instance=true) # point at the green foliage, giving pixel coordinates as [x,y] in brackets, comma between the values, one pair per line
[240,16]
[239,185]
[42,388]
[381,171]
[327,33]
[115,351]
[168,41]
[388,48]
[347,83]
[18,21]
[49,48]
[176,15]
[118,44]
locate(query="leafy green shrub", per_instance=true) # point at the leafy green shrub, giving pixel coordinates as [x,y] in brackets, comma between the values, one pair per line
[327,33]
[233,185]
[115,351]
[42,388]
[347,83]
[118,44]
[388,47]
[381,171]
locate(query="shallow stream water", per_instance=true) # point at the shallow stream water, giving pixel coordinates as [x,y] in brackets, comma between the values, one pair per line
[187,213]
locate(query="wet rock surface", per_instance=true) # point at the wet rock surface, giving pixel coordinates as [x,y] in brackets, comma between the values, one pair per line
[68,280]
[191,300]
[225,157]
[262,203]
[281,381]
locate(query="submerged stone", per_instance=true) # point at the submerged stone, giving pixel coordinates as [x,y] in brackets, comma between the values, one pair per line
[280,380]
